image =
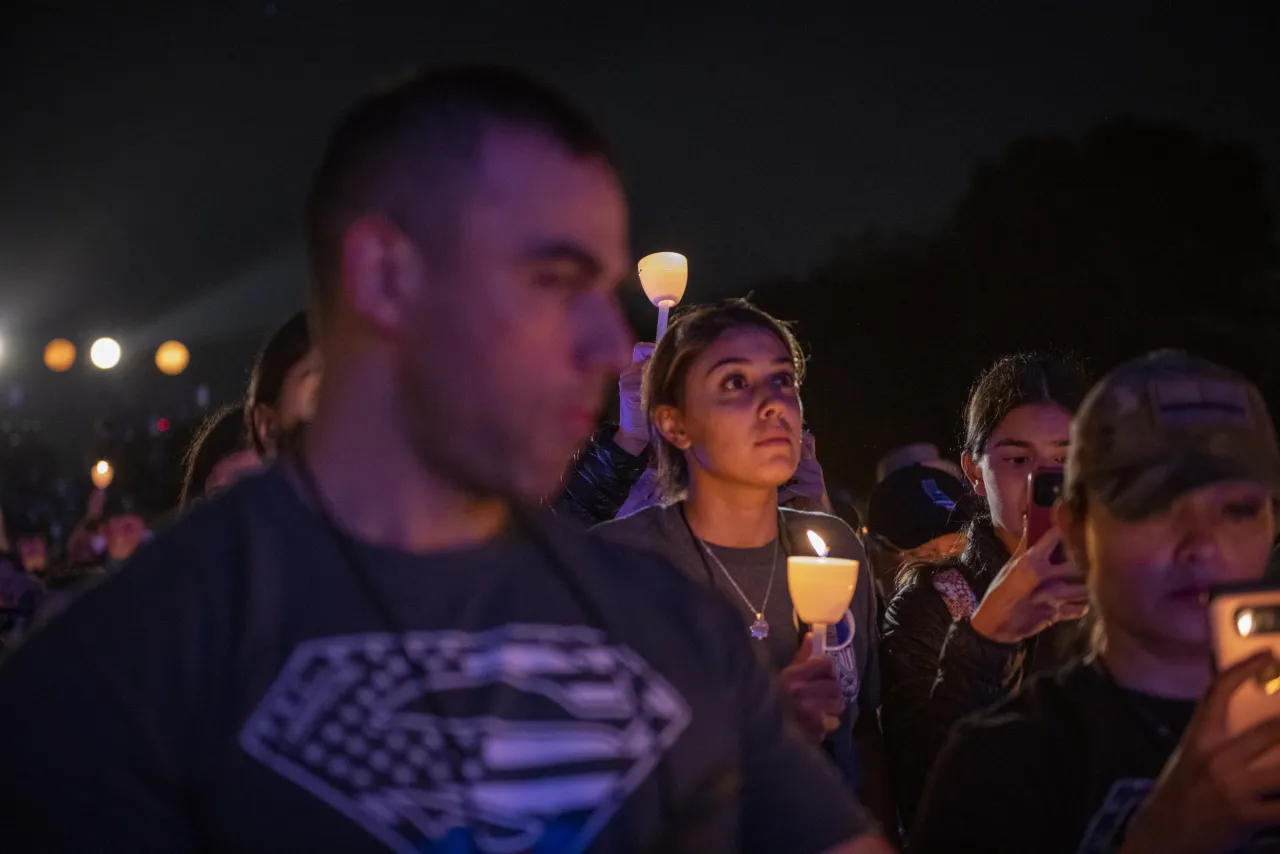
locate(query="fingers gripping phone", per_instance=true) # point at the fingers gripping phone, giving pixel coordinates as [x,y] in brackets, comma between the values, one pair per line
[1245,620]
[1044,488]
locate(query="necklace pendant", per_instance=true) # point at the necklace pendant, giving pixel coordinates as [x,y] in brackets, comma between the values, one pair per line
[760,628]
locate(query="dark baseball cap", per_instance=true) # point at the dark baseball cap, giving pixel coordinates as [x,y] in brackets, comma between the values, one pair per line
[1162,425]
[914,505]
[120,503]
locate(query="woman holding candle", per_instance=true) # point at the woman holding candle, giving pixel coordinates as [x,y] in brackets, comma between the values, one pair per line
[960,632]
[722,393]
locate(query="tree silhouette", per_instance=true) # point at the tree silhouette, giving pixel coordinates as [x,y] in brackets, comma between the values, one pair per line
[1138,235]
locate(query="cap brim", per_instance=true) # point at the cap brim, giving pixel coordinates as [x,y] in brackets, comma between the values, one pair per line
[1138,492]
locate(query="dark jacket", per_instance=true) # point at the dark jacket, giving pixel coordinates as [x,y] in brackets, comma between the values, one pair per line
[935,669]
[600,480]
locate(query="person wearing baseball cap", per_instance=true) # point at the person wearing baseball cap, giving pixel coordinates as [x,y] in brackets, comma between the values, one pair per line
[1172,479]
[917,512]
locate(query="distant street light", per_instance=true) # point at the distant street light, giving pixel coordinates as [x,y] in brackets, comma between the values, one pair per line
[105,354]
[59,355]
[102,474]
[172,358]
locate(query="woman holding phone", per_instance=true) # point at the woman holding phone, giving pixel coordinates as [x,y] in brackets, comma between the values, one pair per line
[960,632]
[1171,486]
[722,394]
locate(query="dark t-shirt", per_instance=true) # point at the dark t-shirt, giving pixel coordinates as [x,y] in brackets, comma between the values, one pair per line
[1062,766]
[236,688]
[852,645]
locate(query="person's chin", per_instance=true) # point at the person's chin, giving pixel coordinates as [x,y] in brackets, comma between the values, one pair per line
[777,459]
[777,474]
[1185,619]
[1190,600]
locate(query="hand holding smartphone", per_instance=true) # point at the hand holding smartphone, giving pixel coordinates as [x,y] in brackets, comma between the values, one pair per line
[1219,787]
[1245,621]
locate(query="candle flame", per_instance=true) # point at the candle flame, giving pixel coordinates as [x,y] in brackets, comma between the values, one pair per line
[819,545]
[103,467]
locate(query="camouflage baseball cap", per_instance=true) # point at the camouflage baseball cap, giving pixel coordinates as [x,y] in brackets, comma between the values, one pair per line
[1162,425]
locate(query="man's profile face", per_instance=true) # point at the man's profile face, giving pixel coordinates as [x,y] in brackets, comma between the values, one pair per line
[517,334]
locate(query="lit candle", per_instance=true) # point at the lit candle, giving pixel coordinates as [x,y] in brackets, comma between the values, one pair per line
[102,474]
[663,275]
[821,589]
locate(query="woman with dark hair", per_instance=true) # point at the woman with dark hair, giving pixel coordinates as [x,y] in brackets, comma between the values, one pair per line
[961,632]
[722,393]
[220,453]
[283,386]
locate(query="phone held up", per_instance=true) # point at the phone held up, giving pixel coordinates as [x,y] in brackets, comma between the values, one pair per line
[1044,489]
[1244,620]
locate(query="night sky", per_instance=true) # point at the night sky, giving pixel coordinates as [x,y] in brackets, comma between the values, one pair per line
[154,155]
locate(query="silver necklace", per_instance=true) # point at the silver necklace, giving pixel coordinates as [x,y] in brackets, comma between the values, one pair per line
[759,628]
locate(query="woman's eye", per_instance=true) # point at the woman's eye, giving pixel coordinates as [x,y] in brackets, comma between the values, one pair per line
[734,382]
[786,380]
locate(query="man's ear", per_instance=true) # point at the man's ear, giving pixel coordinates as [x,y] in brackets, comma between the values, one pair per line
[973,473]
[670,423]
[383,274]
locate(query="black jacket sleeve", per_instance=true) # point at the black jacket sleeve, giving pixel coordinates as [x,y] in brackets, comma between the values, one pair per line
[600,480]
[934,671]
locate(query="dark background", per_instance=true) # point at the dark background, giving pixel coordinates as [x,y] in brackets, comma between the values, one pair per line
[921,186]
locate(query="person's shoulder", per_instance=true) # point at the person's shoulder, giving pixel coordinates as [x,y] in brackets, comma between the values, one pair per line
[924,603]
[197,553]
[209,528]
[187,580]
[1046,711]
[1016,756]
[634,562]
[641,529]
[919,583]
[1060,697]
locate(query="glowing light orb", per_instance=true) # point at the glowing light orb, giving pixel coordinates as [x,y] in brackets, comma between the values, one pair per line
[105,354]
[59,355]
[172,358]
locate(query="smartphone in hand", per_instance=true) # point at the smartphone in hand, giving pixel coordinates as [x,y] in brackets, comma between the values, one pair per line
[1245,620]
[1043,489]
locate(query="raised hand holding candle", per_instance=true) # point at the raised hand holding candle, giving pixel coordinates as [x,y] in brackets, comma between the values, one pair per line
[821,589]
[664,275]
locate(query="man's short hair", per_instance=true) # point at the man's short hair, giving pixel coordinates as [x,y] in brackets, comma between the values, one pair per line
[403,151]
